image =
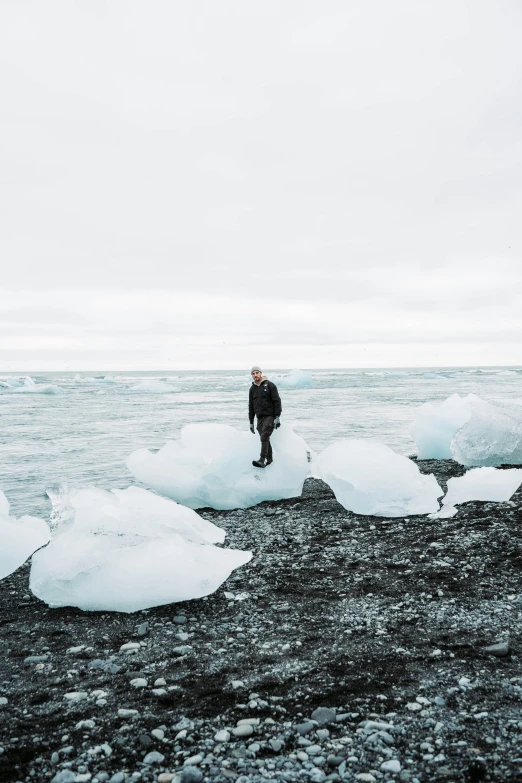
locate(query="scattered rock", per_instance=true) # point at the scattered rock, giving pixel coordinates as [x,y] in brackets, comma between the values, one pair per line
[323,715]
[76,696]
[31,659]
[191,775]
[154,757]
[243,731]
[500,650]
[393,765]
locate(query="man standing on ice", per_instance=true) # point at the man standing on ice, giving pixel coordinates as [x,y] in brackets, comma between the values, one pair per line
[265,403]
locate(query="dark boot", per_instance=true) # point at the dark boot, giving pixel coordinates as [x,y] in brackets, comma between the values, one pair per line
[259,463]
[269,458]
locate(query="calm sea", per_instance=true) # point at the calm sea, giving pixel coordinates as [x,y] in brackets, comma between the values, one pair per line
[83,434]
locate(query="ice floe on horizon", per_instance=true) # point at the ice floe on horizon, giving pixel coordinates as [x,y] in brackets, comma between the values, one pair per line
[27,385]
[294,378]
[128,550]
[94,380]
[210,465]
[151,387]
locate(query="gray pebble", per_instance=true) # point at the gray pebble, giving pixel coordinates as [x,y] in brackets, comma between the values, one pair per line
[184,649]
[36,659]
[154,757]
[142,629]
[191,775]
[106,666]
[305,728]
[65,776]
[323,715]
[243,731]
[118,777]
[500,650]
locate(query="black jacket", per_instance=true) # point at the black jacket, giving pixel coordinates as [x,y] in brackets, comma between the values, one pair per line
[263,400]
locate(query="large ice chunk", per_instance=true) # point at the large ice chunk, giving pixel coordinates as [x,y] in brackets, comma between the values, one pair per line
[211,466]
[487,484]
[19,538]
[128,550]
[470,430]
[492,435]
[435,425]
[367,477]
[296,378]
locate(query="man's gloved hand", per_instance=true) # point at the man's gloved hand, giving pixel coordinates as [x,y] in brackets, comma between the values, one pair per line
[252,430]
[277,422]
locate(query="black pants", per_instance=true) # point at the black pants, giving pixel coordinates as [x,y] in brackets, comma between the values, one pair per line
[265,427]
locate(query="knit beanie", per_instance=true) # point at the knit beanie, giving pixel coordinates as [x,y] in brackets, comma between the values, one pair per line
[255,369]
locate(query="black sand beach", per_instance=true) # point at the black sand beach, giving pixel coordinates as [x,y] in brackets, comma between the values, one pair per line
[384,622]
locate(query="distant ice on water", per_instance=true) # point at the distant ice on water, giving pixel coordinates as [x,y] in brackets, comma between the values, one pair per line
[106,379]
[295,378]
[128,550]
[369,478]
[19,538]
[151,387]
[28,386]
[211,466]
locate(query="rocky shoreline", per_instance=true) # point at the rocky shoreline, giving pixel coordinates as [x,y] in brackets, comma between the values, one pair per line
[350,649]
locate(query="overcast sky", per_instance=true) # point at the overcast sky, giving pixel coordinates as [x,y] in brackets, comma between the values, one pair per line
[335,183]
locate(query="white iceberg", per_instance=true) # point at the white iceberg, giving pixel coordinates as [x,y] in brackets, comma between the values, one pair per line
[487,484]
[150,387]
[470,430]
[435,425]
[30,387]
[295,378]
[107,379]
[128,550]
[211,466]
[492,436]
[369,478]
[10,383]
[19,537]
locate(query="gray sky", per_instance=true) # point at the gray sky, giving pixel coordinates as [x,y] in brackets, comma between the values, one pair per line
[291,183]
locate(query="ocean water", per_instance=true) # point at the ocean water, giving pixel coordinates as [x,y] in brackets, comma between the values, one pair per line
[82,434]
